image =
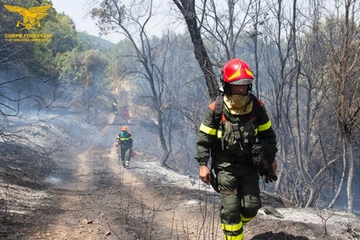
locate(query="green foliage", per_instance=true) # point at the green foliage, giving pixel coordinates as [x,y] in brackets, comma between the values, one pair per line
[64,35]
[85,68]
[38,57]
[64,38]
[12,52]
[41,58]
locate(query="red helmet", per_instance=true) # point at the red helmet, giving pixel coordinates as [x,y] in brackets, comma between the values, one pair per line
[237,72]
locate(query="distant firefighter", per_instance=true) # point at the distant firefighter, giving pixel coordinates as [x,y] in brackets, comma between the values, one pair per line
[125,142]
[114,106]
[125,114]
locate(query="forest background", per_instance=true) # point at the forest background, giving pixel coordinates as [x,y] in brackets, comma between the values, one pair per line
[304,56]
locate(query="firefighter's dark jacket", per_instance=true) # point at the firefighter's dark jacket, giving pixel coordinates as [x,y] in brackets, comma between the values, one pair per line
[125,139]
[209,141]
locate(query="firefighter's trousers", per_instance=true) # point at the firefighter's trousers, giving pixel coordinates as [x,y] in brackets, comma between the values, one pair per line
[240,199]
[125,156]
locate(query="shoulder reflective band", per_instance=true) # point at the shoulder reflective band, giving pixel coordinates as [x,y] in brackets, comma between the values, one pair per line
[207,130]
[264,127]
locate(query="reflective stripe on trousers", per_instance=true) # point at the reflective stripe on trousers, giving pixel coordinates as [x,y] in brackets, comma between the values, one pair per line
[236,231]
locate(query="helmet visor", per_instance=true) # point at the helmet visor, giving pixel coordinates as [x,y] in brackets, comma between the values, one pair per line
[242,82]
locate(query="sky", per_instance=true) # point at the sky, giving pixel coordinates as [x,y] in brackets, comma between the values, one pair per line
[77,10]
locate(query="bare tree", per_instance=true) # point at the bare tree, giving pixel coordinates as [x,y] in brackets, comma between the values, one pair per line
[313,51]
[339,39]
[292,101]
[186,96]
[187,8]
[228,29]
[12,96]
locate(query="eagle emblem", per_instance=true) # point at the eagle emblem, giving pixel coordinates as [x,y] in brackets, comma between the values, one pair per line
[31,16]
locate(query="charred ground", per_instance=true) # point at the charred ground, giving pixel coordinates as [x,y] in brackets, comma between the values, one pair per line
[67,184]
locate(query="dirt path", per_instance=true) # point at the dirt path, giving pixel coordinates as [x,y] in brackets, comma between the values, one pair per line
[97,199]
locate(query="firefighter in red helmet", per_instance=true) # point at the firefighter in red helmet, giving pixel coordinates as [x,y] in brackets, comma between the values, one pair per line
[125,143]
[232,128]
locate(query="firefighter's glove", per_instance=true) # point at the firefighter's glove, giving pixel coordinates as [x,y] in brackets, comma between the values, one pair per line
[270,177]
